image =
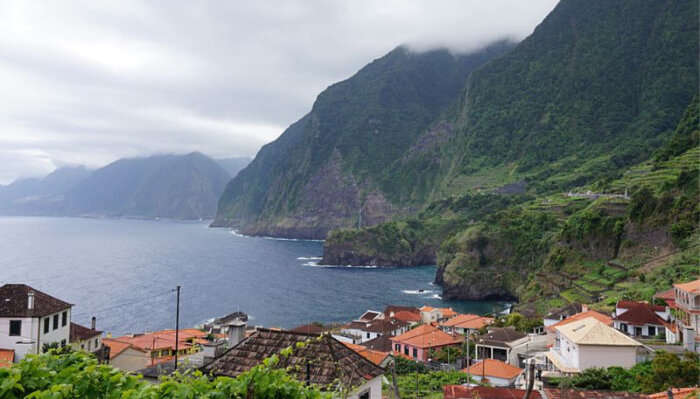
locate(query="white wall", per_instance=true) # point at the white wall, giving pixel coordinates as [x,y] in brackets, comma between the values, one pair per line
[374,386]
[607,356]
[131,360]
[496,382]
[569,352]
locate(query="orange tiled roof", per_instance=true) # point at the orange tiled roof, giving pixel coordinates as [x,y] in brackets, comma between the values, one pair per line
[693,286]
[376,357]
[446,312]
[603,318]
[468,321]
[426,336]
[494,368]
[7,357]
[680,393]
[407,316]
[115,347]
[158,340]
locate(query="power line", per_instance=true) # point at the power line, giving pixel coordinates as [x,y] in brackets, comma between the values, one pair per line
[133,302]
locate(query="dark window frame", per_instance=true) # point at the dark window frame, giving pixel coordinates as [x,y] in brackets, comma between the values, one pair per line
[47,325]
[55,321]
[17,330]
[64,318]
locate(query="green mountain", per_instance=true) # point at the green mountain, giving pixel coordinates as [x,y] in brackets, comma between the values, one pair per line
[171,186]
[589,102]
[330,169]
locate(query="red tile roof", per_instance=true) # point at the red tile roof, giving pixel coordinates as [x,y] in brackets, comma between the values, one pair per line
[668,296]
[426,336]
[494,368]
[376,357]
[7,357]
[462,392]
[633,304]
[81,333]
[603,318]
[576,394]
[678,393]
[639,314]
[158,340]
[468,321]
[407,316]
[693,286]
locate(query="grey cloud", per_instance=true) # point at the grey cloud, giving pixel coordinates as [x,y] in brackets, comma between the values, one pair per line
[89,82]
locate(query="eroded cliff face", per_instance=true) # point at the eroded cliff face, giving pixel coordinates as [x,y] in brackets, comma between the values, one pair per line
[332,198]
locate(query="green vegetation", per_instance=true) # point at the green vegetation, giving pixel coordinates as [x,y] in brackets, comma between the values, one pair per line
[666,370]
[426,385]
[77,375]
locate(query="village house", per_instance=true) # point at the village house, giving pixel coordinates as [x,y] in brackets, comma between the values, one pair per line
[640,319]
[590,343]
[417,343]
[30,319]
[85,339]
[362,331]
[323,361]
[138,351]
[551,330]
[498,343]
[382,344]
[408,314]
[220,325]
[494,372]
[564,312]
[430,314]
[465,324]
[687,314]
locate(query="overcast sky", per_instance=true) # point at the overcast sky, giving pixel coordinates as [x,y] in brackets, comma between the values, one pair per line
[90,82]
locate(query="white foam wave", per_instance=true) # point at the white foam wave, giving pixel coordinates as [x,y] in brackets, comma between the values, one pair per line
[238,234]
[417,292]
[436,296]
[310,258]
[315,264]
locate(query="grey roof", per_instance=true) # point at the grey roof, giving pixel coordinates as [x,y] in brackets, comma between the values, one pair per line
[500,337]
[329,359]
[14,298]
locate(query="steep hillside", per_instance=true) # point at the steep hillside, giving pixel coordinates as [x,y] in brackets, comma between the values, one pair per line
[581,104]
[172,186]
[233,165]
[330,169]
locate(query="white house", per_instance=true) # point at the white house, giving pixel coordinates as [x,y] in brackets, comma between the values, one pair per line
[559,314]
[30,318]
[640,319]
[589,343]
[85,339]
[494,372]
[358,332]
[687,314]
[429,314]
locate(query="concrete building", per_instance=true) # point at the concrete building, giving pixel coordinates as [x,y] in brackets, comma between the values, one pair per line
[590,343]
[85,339]
[640,319]
[498,343]
[464,324]
[30,319]
[687,314]
[416,344]
[430,314]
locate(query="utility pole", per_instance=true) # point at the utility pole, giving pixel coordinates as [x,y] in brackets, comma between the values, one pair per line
[177,326]
[469,379]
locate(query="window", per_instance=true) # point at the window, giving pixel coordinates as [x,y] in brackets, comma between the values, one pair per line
[15,328]
[397,347]
[652,331]
[367,335]
[364,395]
[405,350]
[63,343]
[97,343]
[64,319]
[46,325]
[415,353]
[82,346]
[55,321]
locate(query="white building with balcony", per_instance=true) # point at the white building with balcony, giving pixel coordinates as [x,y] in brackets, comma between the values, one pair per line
[588,343]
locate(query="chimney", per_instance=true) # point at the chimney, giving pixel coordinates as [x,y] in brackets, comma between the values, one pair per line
[93,322]
[30,300]
[584,308]
[236,332]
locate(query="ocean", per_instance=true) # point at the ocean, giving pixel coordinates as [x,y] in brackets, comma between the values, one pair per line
[124,272]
